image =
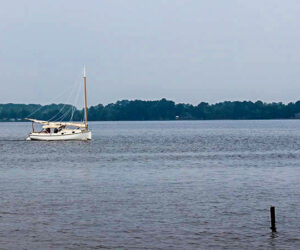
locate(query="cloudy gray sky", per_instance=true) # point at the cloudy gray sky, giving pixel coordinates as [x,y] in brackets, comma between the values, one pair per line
[185,50]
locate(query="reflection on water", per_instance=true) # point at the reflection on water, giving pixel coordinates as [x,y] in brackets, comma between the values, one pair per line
[161,185]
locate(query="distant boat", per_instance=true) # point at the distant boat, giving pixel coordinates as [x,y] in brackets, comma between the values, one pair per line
[63,131]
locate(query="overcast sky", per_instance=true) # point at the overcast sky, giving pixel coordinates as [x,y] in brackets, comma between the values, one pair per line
[185,50]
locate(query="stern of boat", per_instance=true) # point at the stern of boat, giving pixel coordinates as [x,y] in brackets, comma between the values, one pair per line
[89,135]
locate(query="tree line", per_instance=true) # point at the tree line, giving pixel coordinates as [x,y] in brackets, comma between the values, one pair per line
[163,109]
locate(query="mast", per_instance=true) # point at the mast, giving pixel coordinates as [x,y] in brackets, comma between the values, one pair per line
[85,101]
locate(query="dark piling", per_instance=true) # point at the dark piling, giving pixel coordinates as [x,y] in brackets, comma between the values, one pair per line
[273,221]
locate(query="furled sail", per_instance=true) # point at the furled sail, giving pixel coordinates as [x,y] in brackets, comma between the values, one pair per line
[47,124]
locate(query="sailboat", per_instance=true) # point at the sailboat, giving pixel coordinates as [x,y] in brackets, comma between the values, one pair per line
[63,131]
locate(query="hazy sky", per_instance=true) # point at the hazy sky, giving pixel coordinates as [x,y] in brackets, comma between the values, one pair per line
[185,50]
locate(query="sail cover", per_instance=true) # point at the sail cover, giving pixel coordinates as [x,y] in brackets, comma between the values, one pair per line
[47,124]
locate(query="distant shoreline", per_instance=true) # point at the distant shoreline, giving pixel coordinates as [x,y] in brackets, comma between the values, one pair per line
[271,119]
[158,110]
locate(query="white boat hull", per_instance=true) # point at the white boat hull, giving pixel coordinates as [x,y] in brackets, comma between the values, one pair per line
[81,136]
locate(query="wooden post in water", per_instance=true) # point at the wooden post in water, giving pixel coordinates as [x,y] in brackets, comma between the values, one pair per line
[273,221]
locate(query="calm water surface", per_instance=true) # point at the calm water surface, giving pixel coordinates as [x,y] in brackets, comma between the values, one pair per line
[152,185]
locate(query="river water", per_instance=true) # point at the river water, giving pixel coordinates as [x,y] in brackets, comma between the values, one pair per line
[152,185]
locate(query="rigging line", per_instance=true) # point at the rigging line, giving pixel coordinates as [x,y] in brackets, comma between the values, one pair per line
[60,111]
[80,91]
[82,117]
[64,115]
[72,114]
[53,99]
[76,100]
[83,110]
[53,117]
[57,97]
[73,111]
